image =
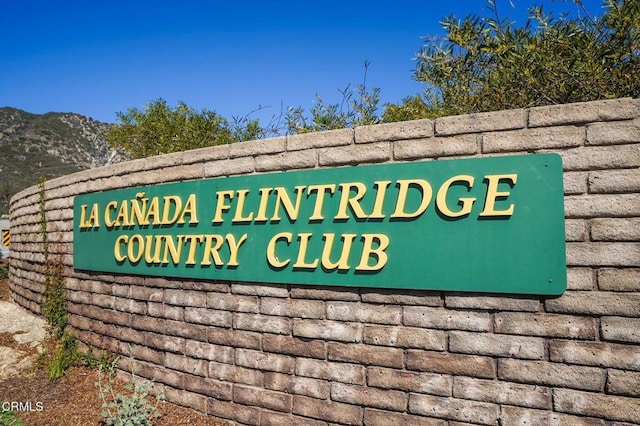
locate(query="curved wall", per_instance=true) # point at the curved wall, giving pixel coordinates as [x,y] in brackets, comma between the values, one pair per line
[293,354]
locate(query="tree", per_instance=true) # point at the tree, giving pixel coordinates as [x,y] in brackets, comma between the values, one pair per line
[159,129]
[487,63]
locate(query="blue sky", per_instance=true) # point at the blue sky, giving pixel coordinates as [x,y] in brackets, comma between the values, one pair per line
[98,58]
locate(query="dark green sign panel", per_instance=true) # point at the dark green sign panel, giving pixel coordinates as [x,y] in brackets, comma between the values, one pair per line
[482,225]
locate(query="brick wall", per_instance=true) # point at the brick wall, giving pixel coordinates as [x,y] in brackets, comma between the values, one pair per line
[293,354]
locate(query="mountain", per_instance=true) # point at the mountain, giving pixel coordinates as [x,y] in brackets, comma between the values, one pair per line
[36,146]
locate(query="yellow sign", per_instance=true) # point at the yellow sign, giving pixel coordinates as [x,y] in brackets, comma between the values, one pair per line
[6,238]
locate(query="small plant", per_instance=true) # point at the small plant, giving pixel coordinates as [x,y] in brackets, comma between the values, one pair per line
[4,271]
[54,300]
[10,418]
[59,355]
[65,356]
[136,408]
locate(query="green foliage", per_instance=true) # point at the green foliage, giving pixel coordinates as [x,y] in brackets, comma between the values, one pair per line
[160,129]
[54,300]
[10,418]
[64,356]
[136,407]
[4,271]
[357,108]
[487,63]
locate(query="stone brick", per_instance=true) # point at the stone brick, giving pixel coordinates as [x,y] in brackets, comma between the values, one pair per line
[189,331]
[262,323]
[175,313]
[233,302]
[103,300]
[144,353]
[166,343]
[256,147]
[146,293]
[502,303]
[482,122]
[600,157]
[575,182]
[235,374]
[258,397]
[264,361]
[271,418]
[202,350]
[235,338]
[209,153]
[400,297]
[502,392]
[330,411]
[373,417]
[230,410]
[613,133]
[322,293]
[614,181]
[172,378]
[620,329]
[547,325]
[329,330]
[294,346]
[596,303]
[456,364]
[188,365]
[394,131]
[376,152]
[583,112]
[608,229]
[208,316]
[603,254]
[305,159]
[236,166]
[576,230]
[205,286]
[410,381]
[526,416]
[366,355]
[623,383]
[297,385]
[454,409]
[435,147]
[369,397]
[334,371]
[446,319]
[268,290]
[405,337]
[496,345]
[619,279]
[610,355]
[185,298]
[359,312]
[609,407]
[551,374]
[530,139]
[209,387]
[320,139]
[186,399]
[292,308]
[589,206]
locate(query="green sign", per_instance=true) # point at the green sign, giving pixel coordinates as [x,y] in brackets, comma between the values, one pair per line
[482,225]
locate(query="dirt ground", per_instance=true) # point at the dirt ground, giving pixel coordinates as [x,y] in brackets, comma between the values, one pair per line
[72,400]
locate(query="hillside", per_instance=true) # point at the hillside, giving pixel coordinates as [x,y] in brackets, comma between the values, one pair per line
[33,146]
